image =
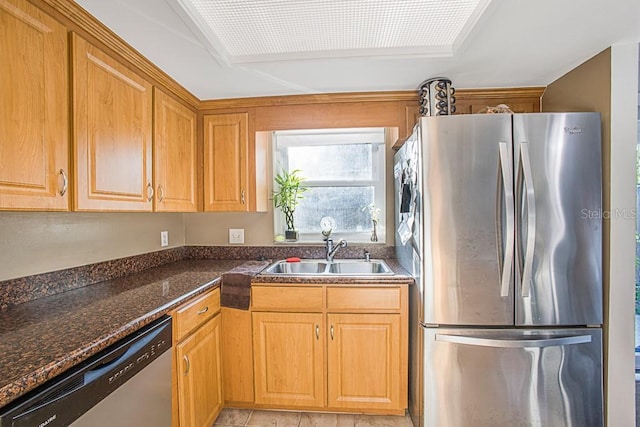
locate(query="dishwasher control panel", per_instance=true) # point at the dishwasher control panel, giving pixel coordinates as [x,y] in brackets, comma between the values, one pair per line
[140,359]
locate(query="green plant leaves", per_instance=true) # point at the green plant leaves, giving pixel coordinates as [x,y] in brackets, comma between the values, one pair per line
[289,193]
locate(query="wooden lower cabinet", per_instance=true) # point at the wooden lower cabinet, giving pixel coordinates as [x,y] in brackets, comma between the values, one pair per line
[197,361]
[200,376]
[313,347]
[364,367]
[331,348]
[288,359]
[237,357]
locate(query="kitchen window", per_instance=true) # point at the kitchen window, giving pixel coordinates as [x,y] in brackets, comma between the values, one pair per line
[344,170]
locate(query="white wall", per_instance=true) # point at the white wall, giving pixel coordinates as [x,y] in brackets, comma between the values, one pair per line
[624,107]
[37,242]
[212,228]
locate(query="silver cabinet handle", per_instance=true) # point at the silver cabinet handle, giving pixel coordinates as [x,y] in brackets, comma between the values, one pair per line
[204,310]
[317,332]
[65,182]
[187,365]
[331,332]
[160,193]
[511,343]
[242,196]
[531,219]
[507,263]
[149,192]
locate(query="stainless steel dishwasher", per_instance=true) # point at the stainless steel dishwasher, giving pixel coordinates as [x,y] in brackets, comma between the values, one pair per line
[126,385]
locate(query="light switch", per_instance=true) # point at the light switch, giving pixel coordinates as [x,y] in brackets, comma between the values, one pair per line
[236,236]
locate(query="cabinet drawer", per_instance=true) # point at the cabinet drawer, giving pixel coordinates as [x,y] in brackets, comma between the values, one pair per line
[288,298]
[361,299]
[193,314]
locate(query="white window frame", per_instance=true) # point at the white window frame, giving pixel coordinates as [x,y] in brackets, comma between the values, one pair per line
[308,137]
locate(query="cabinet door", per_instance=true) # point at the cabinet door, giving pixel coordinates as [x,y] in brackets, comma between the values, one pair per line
[364,365]
[517,103]
[200,376]
[174,155]
[34,145]
[237,356]
[517,106]
[226,148]
[288,359]
[112,131]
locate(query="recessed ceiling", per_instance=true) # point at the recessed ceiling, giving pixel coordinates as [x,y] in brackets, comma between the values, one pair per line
[276,30]
[513,43]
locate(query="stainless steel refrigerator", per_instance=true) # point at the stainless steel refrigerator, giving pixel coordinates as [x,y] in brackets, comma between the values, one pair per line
[498,217]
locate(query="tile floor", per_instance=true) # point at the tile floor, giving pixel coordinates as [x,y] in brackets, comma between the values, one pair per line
[258,418]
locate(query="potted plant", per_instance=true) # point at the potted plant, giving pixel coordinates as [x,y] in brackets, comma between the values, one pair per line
[287,197]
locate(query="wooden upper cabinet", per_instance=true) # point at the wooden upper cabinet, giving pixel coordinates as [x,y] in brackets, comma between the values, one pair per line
[412,115]
[112,133]
[34,140]
[518,105]
[226,162]
[472,101]
[174,155]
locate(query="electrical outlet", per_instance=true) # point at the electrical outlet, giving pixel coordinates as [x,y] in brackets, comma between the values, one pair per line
[236,235]
[164,238]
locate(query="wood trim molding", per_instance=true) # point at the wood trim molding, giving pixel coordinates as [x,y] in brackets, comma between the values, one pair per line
[332,98]
[500,93]
[85,23]
[318,98]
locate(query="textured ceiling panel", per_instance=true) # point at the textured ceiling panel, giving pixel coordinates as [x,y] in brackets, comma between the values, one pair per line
[285,29]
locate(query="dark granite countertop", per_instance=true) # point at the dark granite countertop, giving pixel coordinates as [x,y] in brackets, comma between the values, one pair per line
[42,338]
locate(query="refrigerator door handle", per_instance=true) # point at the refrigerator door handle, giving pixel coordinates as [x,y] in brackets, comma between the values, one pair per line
[531,220]
[519,343]
[507,264]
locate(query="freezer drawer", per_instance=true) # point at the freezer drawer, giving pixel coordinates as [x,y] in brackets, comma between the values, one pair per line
[486,377]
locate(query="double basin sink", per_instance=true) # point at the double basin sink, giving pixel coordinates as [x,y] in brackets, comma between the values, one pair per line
[343,267]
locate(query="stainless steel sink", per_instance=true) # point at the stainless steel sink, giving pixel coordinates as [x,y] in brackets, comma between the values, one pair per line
[357,267]
[303,267]
[348,267]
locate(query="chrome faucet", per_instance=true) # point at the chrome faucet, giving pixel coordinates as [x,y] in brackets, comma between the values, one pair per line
[331,249]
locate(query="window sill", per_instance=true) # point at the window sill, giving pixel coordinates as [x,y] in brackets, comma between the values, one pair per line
[302,242]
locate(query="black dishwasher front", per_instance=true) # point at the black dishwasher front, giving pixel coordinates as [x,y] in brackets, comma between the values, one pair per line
[125,384]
